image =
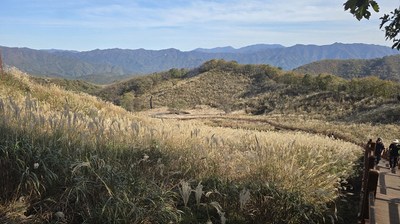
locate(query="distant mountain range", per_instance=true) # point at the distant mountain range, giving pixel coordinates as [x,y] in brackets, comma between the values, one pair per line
[119,62]
[45,64]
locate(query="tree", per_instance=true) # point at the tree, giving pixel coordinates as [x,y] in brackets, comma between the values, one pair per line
[175,73]
[143,85]
[177,106]
[307,80]
[361,9]
[290,78]
[208,65]
[323,81]
[127,101]
[183,72]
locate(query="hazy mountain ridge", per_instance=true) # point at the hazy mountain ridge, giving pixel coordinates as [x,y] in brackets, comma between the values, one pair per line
[45,64]
[247,49]
[144,61]
[148,61]
[72,64]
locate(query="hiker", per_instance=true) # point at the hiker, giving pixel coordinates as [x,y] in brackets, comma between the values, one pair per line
[379,150]
[394,154]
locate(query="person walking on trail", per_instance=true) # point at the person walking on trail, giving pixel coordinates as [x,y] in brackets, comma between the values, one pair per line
[394,154]
[379,150]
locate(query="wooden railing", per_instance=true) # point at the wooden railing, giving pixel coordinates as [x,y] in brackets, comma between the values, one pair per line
[369,184]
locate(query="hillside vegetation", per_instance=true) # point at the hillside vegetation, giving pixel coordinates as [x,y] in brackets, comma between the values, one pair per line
[148,61]
[106,78]
[74,64]
[260,89]
[384,68]
[69,157]
[73,85]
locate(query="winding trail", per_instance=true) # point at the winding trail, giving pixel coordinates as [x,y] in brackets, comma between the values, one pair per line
[387,202]
[273,124]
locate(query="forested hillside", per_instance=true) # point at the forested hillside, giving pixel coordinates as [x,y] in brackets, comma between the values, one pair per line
[385,68]
[256,89]
[148,61]
[112,64]
[45,64]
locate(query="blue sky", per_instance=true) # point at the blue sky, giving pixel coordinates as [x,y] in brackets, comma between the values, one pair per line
[85,25]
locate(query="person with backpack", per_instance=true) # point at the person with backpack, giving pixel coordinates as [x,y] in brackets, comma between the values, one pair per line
[394,154]
[379,147]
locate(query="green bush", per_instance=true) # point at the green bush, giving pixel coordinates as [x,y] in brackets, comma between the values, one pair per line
[177,106]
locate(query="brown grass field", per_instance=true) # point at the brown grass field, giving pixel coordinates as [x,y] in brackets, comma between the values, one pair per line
[69,157]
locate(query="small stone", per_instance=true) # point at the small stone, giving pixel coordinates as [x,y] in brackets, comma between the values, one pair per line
[60,215]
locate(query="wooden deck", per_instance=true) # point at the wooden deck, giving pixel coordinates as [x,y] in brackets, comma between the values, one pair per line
[387,202]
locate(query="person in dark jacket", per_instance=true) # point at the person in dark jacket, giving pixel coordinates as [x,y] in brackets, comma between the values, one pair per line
[394,154]
[379,150]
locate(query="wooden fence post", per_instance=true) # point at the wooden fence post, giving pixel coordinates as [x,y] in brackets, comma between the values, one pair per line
[369,183]
[371,205]
[371,188]
[369,163]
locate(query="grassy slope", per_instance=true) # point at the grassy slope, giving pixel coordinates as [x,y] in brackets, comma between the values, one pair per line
[216,158]
[209,88]
[235,88]
[384,68]
[231,91]
[107,78]
[232,86]
[138,166]
[73,85]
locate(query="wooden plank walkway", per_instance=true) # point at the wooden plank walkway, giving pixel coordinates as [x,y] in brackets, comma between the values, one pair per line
[387,202]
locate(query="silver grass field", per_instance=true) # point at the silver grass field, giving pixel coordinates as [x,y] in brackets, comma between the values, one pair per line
[74,158]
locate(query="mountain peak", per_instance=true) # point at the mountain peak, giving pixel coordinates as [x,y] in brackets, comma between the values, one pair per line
[248,49]
[227,49]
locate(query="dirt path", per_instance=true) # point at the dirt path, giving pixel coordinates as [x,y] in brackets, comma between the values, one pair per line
[207,113]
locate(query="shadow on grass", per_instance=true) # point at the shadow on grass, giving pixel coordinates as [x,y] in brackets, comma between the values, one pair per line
[348,203]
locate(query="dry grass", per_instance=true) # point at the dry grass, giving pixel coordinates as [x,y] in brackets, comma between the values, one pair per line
[353,132]
[104,146]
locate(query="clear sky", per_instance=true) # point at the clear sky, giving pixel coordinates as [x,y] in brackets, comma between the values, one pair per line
[85,25]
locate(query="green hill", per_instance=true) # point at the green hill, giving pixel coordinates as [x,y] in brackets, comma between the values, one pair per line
[385,68]
[257,89]
[72,85]
[106,78]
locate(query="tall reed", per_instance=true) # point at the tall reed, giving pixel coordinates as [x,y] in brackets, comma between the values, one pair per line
[96,162]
